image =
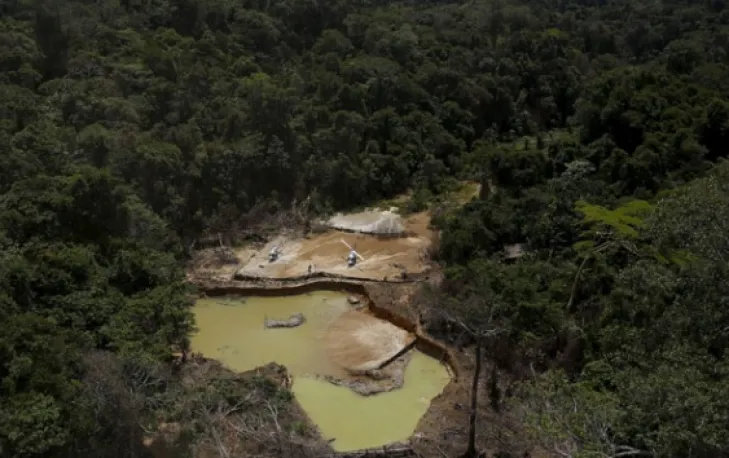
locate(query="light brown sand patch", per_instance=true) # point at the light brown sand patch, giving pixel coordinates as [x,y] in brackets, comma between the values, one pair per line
[360,342]
[383,258]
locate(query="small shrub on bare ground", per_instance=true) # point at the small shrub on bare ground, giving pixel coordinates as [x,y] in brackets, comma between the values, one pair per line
[213,258]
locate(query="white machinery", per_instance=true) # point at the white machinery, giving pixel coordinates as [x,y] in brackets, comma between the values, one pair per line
[353,255]
[273,254]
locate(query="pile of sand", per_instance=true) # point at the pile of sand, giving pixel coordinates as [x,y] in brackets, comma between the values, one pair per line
[359,342]
[371,222]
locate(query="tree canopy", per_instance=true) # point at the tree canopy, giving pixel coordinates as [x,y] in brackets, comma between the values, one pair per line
[599,132]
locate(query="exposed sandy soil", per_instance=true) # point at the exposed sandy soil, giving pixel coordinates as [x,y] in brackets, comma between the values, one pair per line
[383,257]
[388,378]
[360,342]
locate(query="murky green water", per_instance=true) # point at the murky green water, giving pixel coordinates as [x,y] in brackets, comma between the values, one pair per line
[232,331]
[358,422]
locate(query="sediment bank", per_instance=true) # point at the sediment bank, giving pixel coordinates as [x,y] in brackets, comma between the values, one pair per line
[393,374]
[390,451]
[306,278]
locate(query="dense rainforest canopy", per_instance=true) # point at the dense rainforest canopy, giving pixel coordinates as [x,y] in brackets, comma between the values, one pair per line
[598,130]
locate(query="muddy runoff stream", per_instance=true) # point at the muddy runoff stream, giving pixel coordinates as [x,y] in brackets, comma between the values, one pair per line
[231,330]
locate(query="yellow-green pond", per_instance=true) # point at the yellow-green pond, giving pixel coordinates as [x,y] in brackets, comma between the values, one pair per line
[232,331]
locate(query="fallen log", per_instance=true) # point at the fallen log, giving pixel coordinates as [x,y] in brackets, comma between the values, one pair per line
[393,451]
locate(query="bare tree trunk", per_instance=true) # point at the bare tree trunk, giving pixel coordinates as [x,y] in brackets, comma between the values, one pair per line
[494,391]
[576,283]
[471,450]
[185,348]
[485,190]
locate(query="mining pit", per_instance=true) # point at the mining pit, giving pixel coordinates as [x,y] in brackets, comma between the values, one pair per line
[362,375]
[359,378]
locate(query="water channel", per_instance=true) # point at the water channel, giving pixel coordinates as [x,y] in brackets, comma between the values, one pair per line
[231,330]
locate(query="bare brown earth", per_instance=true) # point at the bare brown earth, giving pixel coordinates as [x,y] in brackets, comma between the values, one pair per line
[388,378]
[383,257]
[360,342]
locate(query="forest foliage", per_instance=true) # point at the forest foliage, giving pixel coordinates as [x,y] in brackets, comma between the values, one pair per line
[599,131]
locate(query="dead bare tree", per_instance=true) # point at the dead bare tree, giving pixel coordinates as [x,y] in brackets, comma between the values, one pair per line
[242,417]
[235,432]
[115,404]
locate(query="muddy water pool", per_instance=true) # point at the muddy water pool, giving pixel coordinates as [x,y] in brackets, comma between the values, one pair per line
[232,331]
